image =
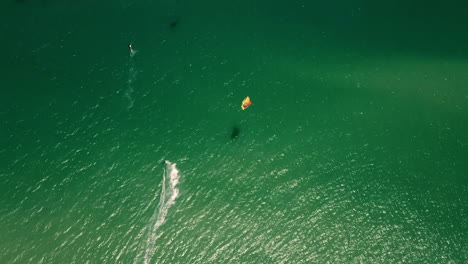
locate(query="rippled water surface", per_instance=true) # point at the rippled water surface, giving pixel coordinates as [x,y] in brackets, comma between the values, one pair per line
[354,150]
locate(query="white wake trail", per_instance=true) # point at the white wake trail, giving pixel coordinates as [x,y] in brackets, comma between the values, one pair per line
[132,75]
[169,193]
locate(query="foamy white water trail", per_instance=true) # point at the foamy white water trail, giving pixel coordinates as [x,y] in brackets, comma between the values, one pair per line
[132,73]
[168,195]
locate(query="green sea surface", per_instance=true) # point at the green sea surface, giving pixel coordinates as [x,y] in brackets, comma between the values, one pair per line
[354,150]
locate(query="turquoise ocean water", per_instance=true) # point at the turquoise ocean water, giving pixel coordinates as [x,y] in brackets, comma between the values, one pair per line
[355,149]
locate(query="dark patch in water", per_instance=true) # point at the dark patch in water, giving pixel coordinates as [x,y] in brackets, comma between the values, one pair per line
[235,132]
[174,24]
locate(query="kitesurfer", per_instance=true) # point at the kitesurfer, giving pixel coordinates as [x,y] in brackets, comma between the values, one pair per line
[130,47]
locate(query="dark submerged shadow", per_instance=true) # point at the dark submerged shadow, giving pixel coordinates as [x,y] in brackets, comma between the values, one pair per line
[235,131]
[174,24]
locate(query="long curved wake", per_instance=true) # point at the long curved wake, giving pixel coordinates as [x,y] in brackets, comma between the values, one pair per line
[169,193]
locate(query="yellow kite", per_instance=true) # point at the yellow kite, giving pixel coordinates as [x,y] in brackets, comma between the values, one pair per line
[246,103]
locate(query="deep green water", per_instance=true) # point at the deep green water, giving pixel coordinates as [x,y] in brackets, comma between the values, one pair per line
[355,149]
